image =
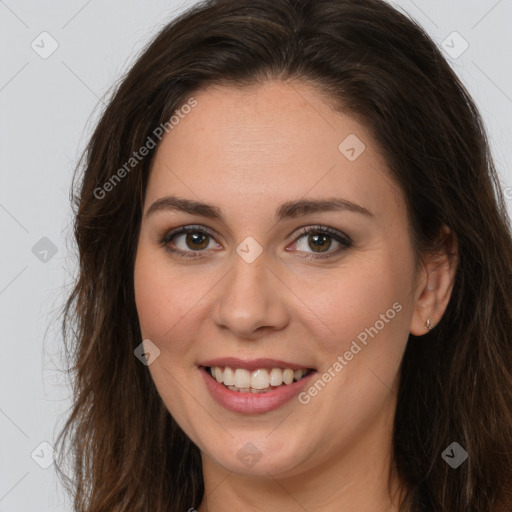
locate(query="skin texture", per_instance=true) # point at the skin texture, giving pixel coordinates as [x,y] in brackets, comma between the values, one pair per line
[247,151]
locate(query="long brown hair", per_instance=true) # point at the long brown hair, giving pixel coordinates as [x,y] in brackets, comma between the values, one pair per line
[127,452]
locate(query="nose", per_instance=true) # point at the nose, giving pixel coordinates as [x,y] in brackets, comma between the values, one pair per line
[251,300]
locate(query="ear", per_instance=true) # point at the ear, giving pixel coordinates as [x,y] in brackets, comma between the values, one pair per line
[434,284]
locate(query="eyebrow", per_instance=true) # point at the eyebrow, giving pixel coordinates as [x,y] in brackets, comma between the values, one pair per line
[289,209]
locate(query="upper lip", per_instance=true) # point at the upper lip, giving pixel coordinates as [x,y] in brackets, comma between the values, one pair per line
[253,364]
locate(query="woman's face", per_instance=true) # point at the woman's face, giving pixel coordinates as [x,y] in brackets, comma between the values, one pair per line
[246,284]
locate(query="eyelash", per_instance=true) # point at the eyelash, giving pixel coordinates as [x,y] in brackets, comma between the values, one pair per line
[344,240]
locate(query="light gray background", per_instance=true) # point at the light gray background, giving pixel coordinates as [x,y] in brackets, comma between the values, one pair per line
[48,107]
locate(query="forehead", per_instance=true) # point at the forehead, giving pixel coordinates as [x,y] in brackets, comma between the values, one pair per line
[276,140]
[273,123]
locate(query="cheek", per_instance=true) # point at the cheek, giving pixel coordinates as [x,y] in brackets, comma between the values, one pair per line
[150,298]
[162,296]
[368,315]
[361,299]
[162,306]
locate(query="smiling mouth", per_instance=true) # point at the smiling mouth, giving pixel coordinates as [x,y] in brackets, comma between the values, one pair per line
[261,380]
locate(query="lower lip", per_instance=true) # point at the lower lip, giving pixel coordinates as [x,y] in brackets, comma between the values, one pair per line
[253,403]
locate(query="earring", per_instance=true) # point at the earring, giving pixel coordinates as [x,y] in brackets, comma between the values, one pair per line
[428,325]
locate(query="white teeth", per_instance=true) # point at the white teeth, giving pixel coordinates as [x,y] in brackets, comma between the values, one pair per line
[242,378]
[298,374]
[260,379]
[229,376]
[288,376]
[257,381]
[276,377]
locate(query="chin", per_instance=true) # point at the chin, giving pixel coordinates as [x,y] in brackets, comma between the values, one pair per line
[259,456]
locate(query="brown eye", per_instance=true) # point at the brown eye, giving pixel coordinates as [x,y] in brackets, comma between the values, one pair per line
[319,240]
[189,241]
[196,240]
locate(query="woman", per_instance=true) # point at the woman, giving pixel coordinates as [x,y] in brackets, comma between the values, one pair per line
[295,285]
